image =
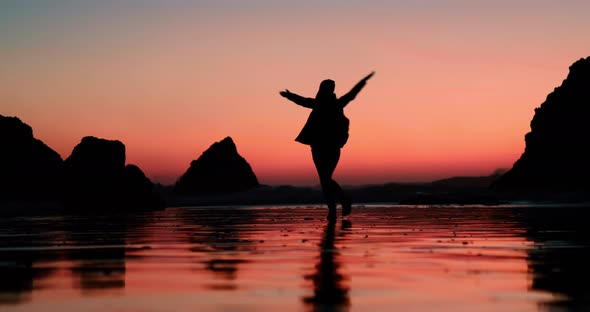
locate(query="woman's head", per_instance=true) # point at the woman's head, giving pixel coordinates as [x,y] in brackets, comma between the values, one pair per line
[326,90]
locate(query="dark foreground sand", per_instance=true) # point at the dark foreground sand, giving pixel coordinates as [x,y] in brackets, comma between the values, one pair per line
[382,258]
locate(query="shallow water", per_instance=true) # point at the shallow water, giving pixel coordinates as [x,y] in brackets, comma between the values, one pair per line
[382,258]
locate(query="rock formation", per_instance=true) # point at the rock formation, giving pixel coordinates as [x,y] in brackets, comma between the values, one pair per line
[30,170]
[139,190]
[95,177]
[94,173]
[220,169]
[557,153]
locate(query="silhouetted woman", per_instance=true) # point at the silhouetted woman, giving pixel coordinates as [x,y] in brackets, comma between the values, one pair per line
[326,131]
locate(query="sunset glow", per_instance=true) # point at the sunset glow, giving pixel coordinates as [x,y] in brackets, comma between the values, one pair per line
[455,87]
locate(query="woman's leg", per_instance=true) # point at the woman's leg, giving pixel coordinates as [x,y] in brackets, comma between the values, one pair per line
[325,160]
[335,187]
[331,156]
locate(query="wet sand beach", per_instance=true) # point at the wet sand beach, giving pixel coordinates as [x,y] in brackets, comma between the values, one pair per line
[289,258]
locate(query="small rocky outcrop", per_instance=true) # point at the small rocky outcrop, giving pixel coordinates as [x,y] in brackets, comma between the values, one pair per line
[95,177]
[139,189]
[557,153]
[220,169]
[30,170]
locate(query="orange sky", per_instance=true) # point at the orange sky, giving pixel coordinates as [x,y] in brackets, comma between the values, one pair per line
[453,94]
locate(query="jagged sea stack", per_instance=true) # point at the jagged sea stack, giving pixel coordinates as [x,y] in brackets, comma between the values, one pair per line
[220,169]
[557,153]
[29,169]
[94,173]
[96,178]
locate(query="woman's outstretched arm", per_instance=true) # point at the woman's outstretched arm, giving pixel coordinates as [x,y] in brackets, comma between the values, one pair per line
[297,99]
[345,99]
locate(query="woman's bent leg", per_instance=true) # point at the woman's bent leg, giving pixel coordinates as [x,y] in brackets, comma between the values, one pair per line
[325,160]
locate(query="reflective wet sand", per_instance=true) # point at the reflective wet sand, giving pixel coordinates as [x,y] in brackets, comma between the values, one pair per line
[382,258]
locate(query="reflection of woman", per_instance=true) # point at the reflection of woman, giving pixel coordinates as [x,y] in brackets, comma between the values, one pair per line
[330,292]
[326,131]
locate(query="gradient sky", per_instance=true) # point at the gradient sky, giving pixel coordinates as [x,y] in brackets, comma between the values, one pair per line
[455,87]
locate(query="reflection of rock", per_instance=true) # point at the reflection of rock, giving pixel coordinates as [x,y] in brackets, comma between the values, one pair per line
[102,267]
[20,272]
[20,279]
[556,154]
[219,169]
[29,169]
[559,263]
[95,176]
[215,235]
[225,268]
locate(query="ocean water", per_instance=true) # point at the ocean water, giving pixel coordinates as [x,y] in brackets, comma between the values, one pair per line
[289,258]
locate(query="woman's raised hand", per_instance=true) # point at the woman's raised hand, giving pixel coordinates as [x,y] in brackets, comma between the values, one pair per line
[369,76]
[285,93]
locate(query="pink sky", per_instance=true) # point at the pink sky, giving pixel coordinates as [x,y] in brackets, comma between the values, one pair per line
[453,94]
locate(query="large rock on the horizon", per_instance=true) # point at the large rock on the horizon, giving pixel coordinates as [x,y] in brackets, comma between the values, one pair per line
[29,169]
[95,176]
[557,154]
[220,169]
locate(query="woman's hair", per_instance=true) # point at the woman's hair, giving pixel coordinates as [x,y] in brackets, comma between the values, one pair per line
[326,91]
